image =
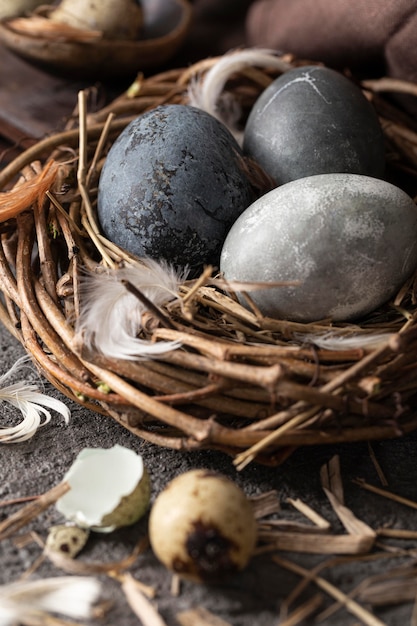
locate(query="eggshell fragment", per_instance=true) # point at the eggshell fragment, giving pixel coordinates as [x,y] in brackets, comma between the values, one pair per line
[202,527]
[313,120]
[67,540]
[110,488]
[350,241]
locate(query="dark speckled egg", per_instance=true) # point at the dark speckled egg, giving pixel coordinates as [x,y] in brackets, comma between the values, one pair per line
[172,185]
[313,120]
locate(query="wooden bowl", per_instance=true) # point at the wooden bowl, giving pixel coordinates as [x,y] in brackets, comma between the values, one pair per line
[166,24]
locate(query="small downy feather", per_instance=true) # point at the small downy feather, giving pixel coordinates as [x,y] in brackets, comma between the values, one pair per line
[111,317]
[72,596]
[26,398]
[206,92]
[353,341]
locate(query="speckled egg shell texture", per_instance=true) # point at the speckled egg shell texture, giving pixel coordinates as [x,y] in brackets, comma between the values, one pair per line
[172,185]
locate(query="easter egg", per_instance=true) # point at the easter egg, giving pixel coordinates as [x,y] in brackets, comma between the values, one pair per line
[172,185]
[349,241]
[202,527]
[313,120]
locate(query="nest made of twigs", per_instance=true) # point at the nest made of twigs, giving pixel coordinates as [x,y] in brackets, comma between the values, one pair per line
[241,383]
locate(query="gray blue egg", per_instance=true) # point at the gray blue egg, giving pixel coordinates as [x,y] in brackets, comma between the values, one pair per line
[172,185]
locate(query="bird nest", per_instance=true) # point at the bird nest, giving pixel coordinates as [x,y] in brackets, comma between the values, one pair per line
[253,387]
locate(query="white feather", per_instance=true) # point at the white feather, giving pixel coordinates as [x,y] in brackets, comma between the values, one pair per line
[72,596]
[111,317]
[335,341]
[30,402]
[206,92]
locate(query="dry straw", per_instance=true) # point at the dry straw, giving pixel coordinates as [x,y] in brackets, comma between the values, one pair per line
[252,387]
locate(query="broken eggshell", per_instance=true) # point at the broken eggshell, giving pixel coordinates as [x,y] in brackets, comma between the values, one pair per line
[202,527]
[68,540]
[109,488]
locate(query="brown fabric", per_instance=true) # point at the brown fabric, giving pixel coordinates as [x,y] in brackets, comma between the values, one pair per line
[367,36]
[359,34]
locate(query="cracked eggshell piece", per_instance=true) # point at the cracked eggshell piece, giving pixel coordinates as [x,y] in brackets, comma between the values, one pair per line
[202,527]
[68,540]
[110,488]
[349,240]
[313,120]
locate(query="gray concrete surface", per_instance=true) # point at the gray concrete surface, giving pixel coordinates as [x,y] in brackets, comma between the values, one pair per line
[254,597]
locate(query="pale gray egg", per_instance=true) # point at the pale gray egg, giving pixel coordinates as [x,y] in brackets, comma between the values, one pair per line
[350,241]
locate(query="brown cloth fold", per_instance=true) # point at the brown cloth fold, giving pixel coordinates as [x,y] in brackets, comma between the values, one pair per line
[364,35]
[370,37]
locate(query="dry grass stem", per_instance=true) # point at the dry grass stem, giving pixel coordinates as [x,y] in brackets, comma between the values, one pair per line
[23,500]
[303,612]
[309,513]
[25,515]
[200,617]
[142,607]
[385,494]
[378,468]
[84,568]
[350,605]
[313,543]
[397,533]
[45,619]
[333,488]
[331,479]
[265,504]
[175,588]
[104,136]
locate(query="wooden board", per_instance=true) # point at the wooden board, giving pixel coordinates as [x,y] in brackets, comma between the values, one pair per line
[32,102]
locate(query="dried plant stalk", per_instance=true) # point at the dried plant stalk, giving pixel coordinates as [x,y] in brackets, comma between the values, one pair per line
[200,617]
[139,603]
[24,516]
[351,605]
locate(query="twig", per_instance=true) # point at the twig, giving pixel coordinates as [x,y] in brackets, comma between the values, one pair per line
[249,455]
[25,515]
[4,503]
[302,612]
[140,604]
[377,466]
[353,607]
[386,494]
[100,147]
[148,303]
